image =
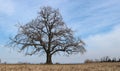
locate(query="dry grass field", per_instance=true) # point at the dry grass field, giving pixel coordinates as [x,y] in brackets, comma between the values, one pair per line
[74,67]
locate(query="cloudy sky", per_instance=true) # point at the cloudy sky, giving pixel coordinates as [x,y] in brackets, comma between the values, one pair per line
[97,22]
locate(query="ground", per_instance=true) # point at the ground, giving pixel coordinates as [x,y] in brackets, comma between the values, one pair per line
[62,67]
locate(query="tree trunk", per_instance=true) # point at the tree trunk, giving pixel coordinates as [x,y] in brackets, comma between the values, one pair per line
[49,59]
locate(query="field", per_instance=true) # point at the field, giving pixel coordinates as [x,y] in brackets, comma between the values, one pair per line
[72,67]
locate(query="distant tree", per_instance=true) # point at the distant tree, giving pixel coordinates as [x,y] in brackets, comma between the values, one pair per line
[105,59]
[109,60]
[119,60]
[114,60]
[47,34]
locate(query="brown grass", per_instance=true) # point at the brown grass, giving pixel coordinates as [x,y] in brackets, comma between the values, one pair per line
[73,67]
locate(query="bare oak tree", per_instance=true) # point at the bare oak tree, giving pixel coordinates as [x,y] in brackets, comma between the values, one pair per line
[47,34]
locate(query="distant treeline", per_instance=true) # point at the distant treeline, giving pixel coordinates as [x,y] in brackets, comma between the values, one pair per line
[103,59]
[108,59]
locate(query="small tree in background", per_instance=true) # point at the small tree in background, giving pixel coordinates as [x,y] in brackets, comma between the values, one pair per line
[47,34]
[0,61]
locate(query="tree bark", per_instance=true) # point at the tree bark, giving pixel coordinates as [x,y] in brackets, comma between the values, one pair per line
[49,58]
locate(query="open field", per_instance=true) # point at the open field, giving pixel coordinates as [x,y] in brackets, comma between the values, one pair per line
[74,67]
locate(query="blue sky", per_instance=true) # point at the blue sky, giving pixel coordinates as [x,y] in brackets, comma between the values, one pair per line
[97,22]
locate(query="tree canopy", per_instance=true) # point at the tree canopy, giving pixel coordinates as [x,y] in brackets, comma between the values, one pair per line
[47,34]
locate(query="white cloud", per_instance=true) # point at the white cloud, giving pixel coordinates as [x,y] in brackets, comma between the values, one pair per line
[95,16]
[105,44]
[7,6]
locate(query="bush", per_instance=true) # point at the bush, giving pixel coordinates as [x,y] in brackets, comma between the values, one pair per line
[88,61]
